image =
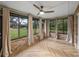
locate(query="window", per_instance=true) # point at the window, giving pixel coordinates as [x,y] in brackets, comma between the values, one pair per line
[52,25]
[65,26]
[18,26]
[62,26]
[35,26]
[23,27]
[14,27]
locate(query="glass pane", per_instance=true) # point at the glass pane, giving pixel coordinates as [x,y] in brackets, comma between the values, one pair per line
[35,26]
[14,27]
[52,25]
[23,27]
[60,26]
[65,26]
[37,31]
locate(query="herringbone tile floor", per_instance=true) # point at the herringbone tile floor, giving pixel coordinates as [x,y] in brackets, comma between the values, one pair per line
[50,48]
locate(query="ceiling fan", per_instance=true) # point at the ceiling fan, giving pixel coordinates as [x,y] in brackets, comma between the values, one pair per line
[41,9]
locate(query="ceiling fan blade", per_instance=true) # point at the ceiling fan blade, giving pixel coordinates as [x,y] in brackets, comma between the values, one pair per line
[36,6]
[48,11]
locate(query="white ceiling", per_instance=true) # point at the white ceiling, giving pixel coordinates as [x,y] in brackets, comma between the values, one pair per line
[61,8]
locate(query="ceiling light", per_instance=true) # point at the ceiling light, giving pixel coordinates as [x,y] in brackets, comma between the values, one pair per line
[41,12]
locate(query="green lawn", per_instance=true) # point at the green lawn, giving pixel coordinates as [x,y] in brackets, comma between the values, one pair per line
[14,33]
[23,32]
[35,31]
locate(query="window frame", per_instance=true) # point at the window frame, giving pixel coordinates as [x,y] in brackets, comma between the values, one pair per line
[37,25]
[19,16]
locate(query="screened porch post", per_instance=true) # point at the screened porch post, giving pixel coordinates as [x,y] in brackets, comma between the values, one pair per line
[67,30]
[78,34]
[40,29]
[56,29]
[30,30]
[70,30]
[6,48]
[47,28]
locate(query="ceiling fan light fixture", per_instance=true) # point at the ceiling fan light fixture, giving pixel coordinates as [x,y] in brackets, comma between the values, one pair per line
[41,13]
